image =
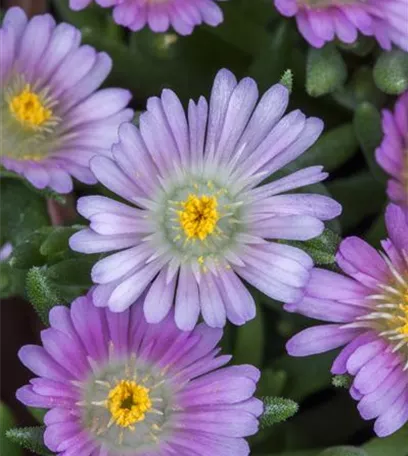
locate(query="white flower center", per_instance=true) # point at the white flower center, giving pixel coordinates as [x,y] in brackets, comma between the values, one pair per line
[199,219]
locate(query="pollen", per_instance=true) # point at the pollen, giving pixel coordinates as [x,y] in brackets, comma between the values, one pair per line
[28,108]
[199,216]
[403,318]
[128,403]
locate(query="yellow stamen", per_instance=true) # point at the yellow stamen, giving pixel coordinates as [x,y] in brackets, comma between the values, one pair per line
[28,109]
[403,329]
[199,216]
[128,403]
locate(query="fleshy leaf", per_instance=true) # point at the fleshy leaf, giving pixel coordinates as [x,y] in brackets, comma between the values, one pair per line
[277,409]
[30,438]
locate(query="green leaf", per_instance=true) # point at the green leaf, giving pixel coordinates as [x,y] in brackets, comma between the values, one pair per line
[391,72]
[8,448]
[272,382]
[27,253]
[30,438]
[395,445]
[322,249]
[363,46]
[250,341]
[360,195]
[305,375]
[343,451]
[266,70]
[21,211]
[377,232]
[277,410]
[325,71]
[75,271]
[342,381]
[37,413]
[287,80]
[12,281]
[57,241]
[333,149]
[41,293]
[368,128]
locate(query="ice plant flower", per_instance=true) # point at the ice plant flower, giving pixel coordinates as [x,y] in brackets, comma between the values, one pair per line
[367,311]
[51,116]
[117,386]
[159,15]
[392,155]
[196,217]
[320,21]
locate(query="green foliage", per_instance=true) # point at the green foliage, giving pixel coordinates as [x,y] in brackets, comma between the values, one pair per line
[367,125]
[342,381]
[250,335]
[326,71]
[277,410]
[322,249]
[344,451]
[7,421]
[41,293]
[394,445]
[30,438]
[391,72]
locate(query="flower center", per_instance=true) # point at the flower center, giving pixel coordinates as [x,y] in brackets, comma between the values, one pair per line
[402,317]
[28,109]
[199,216]
[128,402]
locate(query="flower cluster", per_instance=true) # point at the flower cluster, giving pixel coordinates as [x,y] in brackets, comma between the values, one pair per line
[368,313]
[52,119]
[159,15]
[196,217]
[320,21]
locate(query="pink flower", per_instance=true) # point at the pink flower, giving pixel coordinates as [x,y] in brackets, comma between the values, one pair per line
[320,21]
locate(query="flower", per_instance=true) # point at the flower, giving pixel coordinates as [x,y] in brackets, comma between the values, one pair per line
[196,217]
[368,313]
[182,15]
[392,155]
[5,251]
[117,386]
[320,21]
[52,120]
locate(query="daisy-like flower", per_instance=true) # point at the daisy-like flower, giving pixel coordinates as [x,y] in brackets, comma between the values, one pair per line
[392,155]
[368,314]
[159,15]
[320,21]
[117,386]
[5,251]
[197,216]
[52,120]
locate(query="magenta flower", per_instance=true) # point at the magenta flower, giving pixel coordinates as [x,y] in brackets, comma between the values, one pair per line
[368,313]
[320,21]
[52,120]
[117,386]
[196,218]
[159,15]
[392,155]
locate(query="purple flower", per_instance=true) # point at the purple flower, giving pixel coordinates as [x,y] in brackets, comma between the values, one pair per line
[116,386]
[52,120]
[182,15]
[5,251]
[392,155]
[197,218]
[320,21]
[368,314]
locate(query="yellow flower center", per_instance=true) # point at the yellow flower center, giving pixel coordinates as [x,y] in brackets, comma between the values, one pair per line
[28,109]
[128,402]
[403,317]
[199,216]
